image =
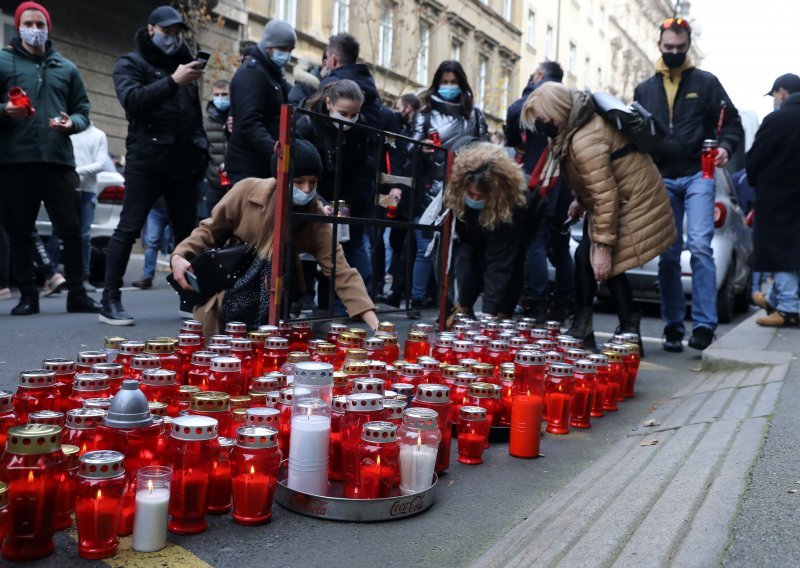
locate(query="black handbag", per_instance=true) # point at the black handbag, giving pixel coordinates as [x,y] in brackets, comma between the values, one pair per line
[216,269]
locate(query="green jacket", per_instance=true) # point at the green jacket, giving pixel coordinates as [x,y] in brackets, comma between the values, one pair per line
[53,84]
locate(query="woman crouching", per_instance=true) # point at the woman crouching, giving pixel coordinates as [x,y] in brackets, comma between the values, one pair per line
[487,194]
[247,213]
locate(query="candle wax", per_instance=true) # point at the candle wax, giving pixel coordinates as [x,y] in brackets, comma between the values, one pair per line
[417,463]
[150,521]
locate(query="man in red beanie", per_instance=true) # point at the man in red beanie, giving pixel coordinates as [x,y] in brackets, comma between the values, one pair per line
[42,102]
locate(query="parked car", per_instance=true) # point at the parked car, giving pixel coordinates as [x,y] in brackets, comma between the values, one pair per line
[110,193]
[732,245]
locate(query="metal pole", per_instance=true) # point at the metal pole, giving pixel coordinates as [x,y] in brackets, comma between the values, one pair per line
[447,227]
[281,223]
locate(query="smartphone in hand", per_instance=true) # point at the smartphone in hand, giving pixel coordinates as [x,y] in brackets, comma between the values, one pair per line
[191,278]
[203,56]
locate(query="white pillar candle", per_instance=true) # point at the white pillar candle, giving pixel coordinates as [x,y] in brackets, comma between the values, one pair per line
[308,454]
[150,520]
[417,462]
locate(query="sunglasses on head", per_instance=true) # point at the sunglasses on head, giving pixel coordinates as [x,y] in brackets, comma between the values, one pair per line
[675,23]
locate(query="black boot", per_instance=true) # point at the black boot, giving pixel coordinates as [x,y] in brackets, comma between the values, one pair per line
[581,327]
[632,324]
[27,306]
[392,299]
[538,308]
[79,302]
[561,307]
[112,311]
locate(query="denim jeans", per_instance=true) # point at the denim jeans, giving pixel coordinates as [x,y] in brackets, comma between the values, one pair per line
[546,244]
[423,266]
[88,204]
[783,293]
[693,197]
[156,236]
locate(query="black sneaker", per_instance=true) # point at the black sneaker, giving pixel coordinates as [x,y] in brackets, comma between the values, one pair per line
[112,312]
[672,340]
[79,302]
[27,306]
[701,338]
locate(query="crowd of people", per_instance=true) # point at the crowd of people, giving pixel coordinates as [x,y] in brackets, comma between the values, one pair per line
[514,194]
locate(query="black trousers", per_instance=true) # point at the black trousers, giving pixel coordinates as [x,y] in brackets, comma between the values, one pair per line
[24,188]
[586,285]
[141,192]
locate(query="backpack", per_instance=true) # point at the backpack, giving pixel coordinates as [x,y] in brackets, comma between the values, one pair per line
[635,121]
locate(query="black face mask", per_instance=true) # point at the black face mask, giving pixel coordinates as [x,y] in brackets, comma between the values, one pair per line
[674,60]
[547,128]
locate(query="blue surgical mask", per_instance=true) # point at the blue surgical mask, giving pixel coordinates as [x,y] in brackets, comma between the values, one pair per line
[300,197]
[33,37]
[280,58]
[222,103]
[168,44]
[473,204]
[449,92]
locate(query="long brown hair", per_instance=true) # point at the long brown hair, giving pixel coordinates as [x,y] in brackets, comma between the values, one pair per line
[496,175]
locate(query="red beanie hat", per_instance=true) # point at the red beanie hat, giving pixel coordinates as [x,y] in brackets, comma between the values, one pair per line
[31,6]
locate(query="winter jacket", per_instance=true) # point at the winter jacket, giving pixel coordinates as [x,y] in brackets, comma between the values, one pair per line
[91,156]
[165,120]
[625,199]
[240,214]
[258,89]
[773,169]
[534,143]
[215,123]
[694,118]
[54,85]
[449,121]
[306,81]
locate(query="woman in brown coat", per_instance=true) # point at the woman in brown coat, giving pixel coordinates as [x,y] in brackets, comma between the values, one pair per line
[247,213]
[629,219]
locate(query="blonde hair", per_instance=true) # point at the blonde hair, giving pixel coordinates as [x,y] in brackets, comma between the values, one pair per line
[496,175]
[550,101]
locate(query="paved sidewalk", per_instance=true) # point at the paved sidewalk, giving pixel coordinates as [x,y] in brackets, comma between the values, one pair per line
[668,494]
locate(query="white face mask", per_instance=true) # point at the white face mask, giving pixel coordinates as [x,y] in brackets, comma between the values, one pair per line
[33,36]
[345,127]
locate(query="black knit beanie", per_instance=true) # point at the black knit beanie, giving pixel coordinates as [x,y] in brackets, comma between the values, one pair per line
[304,159]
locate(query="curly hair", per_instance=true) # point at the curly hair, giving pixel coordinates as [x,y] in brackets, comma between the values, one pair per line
[496,176]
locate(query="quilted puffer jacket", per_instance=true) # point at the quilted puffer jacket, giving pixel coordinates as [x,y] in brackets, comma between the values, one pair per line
[625,199]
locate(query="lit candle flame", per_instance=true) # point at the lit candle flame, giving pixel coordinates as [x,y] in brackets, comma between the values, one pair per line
[308,414]
[252,470]
[150,485]
[419,441]
[379,460]
[99,494]
[30,477]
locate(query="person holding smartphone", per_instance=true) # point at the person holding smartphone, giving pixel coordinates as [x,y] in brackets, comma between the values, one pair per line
[167,148]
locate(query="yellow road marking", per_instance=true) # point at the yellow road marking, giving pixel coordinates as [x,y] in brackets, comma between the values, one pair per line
[648,366]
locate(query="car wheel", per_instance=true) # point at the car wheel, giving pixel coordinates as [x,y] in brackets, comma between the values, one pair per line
[725,298]
[741,301]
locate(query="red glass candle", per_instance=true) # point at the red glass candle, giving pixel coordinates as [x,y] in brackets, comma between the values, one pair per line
[374,347]
[276,353]
[404,389]
[572,355]
[262,416]
[377,369]
[437,397]
[545,345]
[257,339]
[226,376]
[299,335]
[242,349]
[443,349]
[4,512]
[378,457]
[459,392]
[52,417]
[448,374]
[480,349]
[463,349]
[368,385]
[87,386]
[114,372]
[32,466]
[585,393]
[185,394]
[361,408]
[390,347]
[487,372]
[416,346]
[236,329]
[81,429]
[36,391]
[524,329]
[431,370]
[191,450]
[100,489]
[616,378]
[412,374]
[65,370]
[490,329]
[127,351]
[529,369]
[86,359]
[473,430]
[165,351]
[200,369]
[216,405]
[111,346]
[219,486]
[566,342]
[559,388]
[188,345]
[264,384]
[8,417]
[553,328]
[498,353]
[525,430]
[219,349]
[141,363]
[334,331]
[284,405]
[601,383]
[335,467]
[631,359]
[161,385]
[192,326]
[325,353]
[393,411]
[255,460]
[483,395]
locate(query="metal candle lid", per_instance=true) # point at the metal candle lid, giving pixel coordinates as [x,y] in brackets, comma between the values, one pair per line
[113,371]
[598,359]
[326,348]
[298,357]
[241,344]
[553,357]
[546,345]
[280,377]
[6,401]
[226,365]
[89,358]
[71,454]
[90,382]
[472,413]
[239,415]
[257,336]
[142,362]
[552,325]
[194,428]
[506,371]
[242,401]
[286,396]
[220,339]
[192,326]
[258,399]
[273,398]
[337,328]
[264,384]
[313,373]
[463,346]
[585,366]
[567,342]
[101,464]
[530,358]
[499,345]
[434,394]
[84,418]
[561,370]
[33,439]
[99,403]
[235,327]
[623,349]
[270,330]
[159,378]
[159,347]
[428,364]
[389,339]
[482,340]
[613,356]
[387,327]
[277,343]
[364,402]
[113,342]
[262,416]
[421,418]
[356,354]
[374,344]
[131,348]
[445,340]
[376,367]
[369,385]
[394,408]
[211,401]
[379,432]
[481,390]
[358,332]
[339,404]
[185,392]
[36,378]
[450,371]
[257,437]
[412,370]
[219,350]
[404,389]
[517,342]
[157,408]
[423,327]
[417,336]
[189,340]
[464,379]
[59,366]
[46,417]
[483,370]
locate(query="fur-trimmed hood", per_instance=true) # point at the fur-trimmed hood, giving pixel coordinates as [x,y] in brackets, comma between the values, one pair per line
[307,73]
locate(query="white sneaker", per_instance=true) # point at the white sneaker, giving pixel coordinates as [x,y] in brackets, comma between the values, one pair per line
[5,293]
[53,284]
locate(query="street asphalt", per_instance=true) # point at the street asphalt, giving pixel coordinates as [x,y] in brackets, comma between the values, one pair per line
[475,505]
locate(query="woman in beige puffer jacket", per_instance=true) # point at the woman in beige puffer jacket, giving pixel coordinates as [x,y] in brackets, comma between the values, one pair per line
[628,215]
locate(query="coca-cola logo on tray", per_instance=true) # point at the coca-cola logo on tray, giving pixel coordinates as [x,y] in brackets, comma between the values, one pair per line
[407,506]
[310,506]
